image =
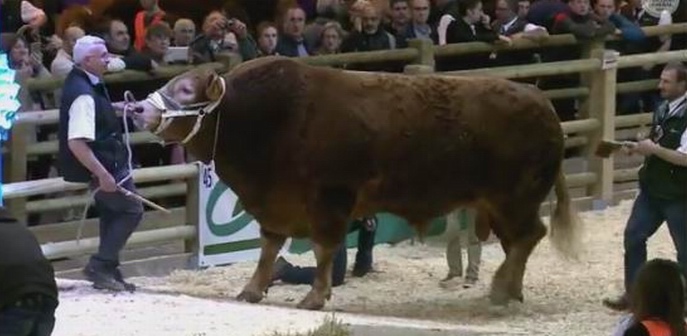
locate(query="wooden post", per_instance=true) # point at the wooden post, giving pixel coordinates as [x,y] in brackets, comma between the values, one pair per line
[16,166]
[424,63]
[601,106]
[425,48]
[589,50]
[192,208]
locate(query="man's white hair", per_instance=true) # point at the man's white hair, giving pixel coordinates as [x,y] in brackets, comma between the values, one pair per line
[86,45]
[183,23]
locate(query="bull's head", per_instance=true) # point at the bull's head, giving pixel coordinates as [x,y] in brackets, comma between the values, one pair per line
[176,111]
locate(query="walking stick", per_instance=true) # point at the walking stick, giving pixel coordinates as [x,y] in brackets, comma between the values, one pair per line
[143,199]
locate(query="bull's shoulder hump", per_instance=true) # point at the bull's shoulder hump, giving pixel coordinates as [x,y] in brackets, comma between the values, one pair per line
[269,63]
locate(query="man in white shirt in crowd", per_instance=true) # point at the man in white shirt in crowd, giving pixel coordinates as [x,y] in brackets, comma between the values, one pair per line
[63,62]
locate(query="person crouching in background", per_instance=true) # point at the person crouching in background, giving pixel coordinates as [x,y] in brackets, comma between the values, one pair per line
[658,301]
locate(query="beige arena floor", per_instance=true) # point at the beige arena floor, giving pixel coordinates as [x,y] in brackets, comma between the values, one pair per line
[561,297]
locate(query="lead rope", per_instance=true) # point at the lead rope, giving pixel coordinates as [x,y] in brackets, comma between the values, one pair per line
[214,145]
[219,115]
[129,99]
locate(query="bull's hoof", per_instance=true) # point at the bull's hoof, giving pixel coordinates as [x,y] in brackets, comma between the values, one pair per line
[249,296]
[516,294]
[312,301]
[499,298]
[518,297]
[502,298]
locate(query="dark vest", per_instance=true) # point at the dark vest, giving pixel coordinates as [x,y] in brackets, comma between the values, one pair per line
[287,46]
[380,40]
[512,57]
[658,177]
[107,147]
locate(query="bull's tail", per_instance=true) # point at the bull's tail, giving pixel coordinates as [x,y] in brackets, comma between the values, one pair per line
[566,227]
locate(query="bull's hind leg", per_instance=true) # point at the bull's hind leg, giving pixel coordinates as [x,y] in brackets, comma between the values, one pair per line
[329,211]
[524,231]
[270,244]
[322,286]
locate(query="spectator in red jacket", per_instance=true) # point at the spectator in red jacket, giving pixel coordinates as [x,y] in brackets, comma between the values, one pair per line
[151,14]
[576,19]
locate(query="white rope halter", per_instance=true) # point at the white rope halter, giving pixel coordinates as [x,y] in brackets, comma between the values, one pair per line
[161,102]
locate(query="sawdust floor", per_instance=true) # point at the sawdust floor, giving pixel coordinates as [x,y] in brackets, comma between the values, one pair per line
[561,297]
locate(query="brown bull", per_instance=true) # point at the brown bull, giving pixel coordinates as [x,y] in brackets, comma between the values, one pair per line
[307,149]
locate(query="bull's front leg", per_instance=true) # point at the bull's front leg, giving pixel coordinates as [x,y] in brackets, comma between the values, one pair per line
[270,244]
[322,285]
[329,210]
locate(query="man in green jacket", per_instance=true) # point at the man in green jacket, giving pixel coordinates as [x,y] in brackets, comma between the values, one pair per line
[662,180]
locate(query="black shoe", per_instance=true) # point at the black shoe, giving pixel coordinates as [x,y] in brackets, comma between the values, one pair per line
[620,303]
[360,270]
[103,280]
[127,285]
[363,262]
[280,266]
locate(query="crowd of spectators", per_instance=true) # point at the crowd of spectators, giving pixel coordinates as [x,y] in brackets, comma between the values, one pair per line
[158,37]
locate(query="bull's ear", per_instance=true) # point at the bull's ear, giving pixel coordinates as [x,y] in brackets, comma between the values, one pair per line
[215,88]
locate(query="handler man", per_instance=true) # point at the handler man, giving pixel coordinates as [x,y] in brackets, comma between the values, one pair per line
[662,180]
[92,150]
[28,291]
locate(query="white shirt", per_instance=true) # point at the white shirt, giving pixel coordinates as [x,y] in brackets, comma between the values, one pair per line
[82,115]
[445,20]
[528,26]
[506,26]
[62,64]
[665,19]
[673,107]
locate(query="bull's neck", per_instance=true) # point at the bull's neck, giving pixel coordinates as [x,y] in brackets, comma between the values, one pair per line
[203,143]
[213,141]
[207,141]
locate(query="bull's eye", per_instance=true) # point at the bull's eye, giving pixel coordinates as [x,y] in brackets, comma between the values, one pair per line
[184,92]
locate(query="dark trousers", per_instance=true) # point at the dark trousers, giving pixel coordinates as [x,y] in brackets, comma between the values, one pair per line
[119,217]
[648,213]
[31,316]
[306,275]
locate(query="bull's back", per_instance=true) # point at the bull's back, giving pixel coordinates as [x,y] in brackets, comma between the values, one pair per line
[439,139]
[428,119]
[405,143]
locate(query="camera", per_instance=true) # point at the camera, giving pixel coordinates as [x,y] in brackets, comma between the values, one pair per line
[228,23]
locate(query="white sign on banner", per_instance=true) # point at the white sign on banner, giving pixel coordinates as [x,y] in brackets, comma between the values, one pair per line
[227,233]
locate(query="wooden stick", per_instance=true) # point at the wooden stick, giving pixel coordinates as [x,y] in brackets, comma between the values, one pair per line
[606,147]
[143,200]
